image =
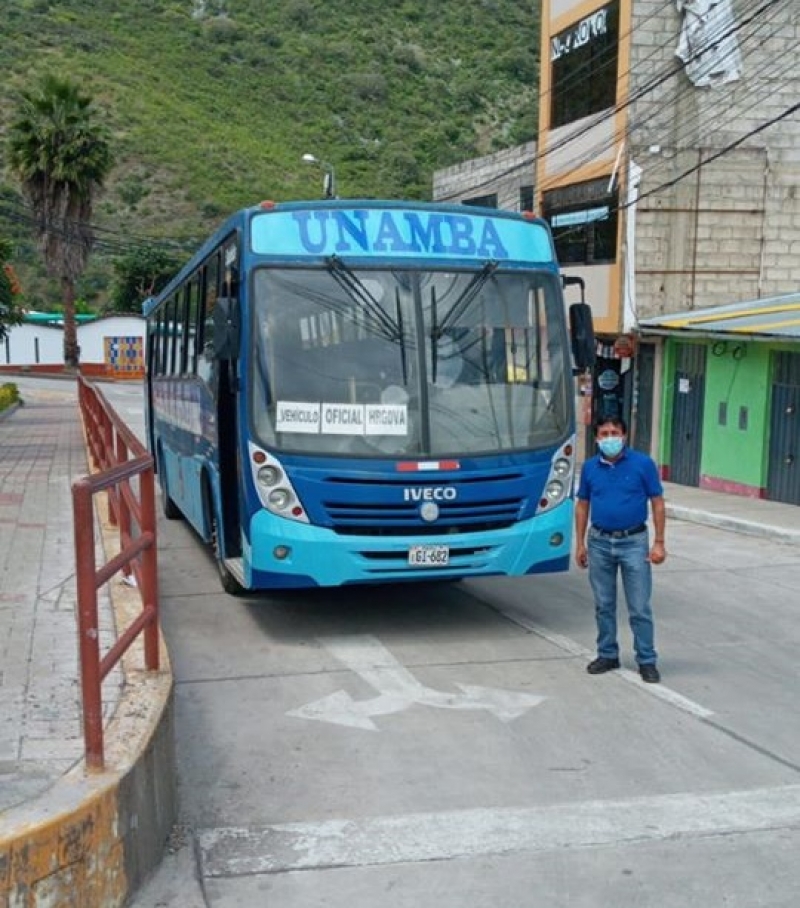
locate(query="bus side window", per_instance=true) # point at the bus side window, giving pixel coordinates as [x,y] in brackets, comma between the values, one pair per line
[169,337]
[193,291]
[230,276]
[205,324]
[182,326]
[157,356]
[177,331]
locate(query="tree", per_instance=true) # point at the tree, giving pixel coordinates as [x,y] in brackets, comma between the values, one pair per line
[10,313]
[59,150]
[141,273]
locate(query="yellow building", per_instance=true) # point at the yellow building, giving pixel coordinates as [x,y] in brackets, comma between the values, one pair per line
[580,177]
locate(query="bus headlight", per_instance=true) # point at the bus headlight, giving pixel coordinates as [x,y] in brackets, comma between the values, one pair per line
[554,489]
[280,499]
[268,476]
[273,485]
[562,468]
[559,479]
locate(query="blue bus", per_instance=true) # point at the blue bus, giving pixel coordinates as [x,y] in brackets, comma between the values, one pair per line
[353,391]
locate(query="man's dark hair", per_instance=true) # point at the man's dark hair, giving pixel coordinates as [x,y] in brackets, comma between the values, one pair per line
[617,421]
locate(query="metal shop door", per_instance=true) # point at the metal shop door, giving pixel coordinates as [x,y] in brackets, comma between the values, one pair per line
[783,475]
[687,414]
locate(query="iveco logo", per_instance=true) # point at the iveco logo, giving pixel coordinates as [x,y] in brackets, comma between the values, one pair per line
[429,511]
[430,493]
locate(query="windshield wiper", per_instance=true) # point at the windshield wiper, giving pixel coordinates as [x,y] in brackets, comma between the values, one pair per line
[465,298]
[355,288]
[459,307]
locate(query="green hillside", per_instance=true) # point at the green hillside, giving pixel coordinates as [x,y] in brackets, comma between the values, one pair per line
[212,103]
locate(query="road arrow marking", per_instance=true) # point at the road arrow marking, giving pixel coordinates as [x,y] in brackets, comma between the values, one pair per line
[398,689]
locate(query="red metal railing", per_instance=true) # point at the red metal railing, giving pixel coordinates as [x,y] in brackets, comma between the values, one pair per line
[125,472]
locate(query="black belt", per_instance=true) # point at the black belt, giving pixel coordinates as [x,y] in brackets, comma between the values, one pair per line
[621,534]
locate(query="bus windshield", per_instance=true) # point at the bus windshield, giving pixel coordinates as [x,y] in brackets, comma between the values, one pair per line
[407,363]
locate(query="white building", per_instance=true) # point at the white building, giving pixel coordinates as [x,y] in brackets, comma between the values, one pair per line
[110,345]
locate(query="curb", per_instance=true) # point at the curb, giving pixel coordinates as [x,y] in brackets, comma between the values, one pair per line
[738,525]
[93,838]
[4,414]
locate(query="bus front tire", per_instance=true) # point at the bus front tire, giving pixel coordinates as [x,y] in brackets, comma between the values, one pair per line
[229,583]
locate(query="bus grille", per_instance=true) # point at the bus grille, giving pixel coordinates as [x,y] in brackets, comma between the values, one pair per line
[403,518]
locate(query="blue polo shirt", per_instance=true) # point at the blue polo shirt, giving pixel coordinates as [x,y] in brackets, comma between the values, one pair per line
[618,492]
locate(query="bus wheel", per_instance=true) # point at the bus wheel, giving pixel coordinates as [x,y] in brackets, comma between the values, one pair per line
[168,506]
[229,583]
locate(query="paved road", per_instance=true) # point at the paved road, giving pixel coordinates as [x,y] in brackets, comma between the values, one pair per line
[442,744]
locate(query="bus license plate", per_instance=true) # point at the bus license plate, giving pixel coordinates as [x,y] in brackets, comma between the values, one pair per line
[429,555]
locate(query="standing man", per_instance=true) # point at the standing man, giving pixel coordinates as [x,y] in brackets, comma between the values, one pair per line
[615,486]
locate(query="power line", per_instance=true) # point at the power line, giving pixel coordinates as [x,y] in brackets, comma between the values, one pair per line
[635,126]
[717,154]
[668,184]
[647,88]
[639,94]
[102,238]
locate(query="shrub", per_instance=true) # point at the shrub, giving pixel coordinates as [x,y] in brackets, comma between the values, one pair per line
[9,395]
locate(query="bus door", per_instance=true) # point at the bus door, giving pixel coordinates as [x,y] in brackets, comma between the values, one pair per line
[225,318]
[150,352]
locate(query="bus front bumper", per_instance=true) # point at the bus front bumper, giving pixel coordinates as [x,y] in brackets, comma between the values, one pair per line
[288,554]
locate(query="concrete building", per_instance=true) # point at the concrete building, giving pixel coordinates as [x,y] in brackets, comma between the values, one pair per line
[112,345]
[668,165]
[501,180]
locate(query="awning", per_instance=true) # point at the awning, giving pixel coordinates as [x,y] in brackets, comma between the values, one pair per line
[774,318]
[54,318]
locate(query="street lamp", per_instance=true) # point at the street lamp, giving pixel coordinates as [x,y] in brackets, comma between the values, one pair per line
[329,180]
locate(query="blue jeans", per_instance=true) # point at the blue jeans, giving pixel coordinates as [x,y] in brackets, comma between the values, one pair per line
[629,557]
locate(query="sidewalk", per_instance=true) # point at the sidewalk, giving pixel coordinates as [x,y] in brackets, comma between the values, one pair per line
[41,736]
[753,516]
[41,453]
[67,836]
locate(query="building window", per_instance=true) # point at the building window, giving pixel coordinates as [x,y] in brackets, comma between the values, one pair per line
[526,198]
[482,201]
[583,218]
[583,60]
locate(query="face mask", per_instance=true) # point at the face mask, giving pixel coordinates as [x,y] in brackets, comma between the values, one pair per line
[611,447]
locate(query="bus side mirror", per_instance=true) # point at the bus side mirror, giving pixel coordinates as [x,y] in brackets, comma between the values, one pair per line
[225,319]
[581,331]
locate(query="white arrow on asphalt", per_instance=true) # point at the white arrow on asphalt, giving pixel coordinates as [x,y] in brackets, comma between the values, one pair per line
[398,689]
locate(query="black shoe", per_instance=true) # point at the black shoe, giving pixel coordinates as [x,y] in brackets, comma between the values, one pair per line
[601,665]
[649,673]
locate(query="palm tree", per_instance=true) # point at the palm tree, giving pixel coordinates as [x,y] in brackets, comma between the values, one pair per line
[59,150]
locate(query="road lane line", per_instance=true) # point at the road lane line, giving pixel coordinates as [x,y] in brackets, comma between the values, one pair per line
[660,691]
[238,851]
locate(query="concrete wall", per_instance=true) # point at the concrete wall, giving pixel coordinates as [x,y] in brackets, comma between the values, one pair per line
[29,344]
[93,838]
[728,229]
[43,345]
[503,173]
